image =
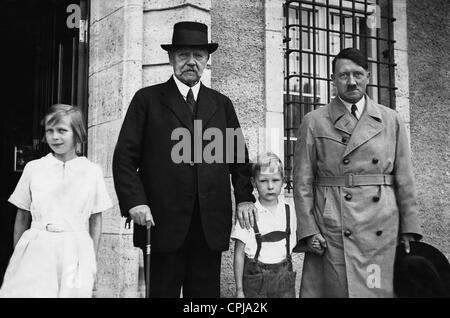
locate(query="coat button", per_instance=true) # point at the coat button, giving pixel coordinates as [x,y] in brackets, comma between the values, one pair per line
[191,163]
[346,161]
[347,233]
[376,198]
[379,233]
[375,161]
[344,140]
[348,197]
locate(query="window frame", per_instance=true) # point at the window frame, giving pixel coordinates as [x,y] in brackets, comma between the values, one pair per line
[381,62]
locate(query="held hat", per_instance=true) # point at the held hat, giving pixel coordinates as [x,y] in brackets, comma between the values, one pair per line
[423,273]
[192,34]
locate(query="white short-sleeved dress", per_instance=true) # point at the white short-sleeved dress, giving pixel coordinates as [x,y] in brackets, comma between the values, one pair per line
[55,257]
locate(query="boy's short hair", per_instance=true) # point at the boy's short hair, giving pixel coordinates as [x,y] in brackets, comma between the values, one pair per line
[58,111]
[354,55]
[268,162]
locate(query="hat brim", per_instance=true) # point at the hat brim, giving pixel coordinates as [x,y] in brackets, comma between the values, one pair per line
[210,47]
[422,258]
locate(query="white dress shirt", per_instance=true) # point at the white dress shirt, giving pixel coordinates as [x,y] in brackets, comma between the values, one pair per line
[184,89]
[360,105]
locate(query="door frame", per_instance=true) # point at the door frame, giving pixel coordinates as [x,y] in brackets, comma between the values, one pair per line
[83,65]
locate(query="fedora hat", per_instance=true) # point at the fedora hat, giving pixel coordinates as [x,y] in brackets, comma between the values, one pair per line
[192,34]
[423,273]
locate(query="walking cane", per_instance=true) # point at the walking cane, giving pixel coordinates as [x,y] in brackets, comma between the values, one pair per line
[147,257]
[147,268]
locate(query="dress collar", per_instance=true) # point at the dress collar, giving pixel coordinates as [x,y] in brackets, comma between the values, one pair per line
[51,158]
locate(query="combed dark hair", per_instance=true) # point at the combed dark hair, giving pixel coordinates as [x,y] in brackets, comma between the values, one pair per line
[268,160]
[58,111]
[354,55]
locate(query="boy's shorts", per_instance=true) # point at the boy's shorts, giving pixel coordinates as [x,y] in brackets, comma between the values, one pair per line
[268,280]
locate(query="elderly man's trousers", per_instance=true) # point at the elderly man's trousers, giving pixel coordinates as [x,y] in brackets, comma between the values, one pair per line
[192,271]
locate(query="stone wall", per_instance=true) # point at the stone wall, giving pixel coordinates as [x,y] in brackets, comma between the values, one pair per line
[238,68]
[429,86]
[401,79]
[159,18]
[115,73]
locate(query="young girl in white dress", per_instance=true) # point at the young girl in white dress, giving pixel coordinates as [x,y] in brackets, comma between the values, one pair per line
[58,224]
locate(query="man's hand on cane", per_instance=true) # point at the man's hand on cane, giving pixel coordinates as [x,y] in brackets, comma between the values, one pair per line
[142,215]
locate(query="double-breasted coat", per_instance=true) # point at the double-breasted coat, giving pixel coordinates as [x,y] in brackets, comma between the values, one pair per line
[361,224]
[145,172]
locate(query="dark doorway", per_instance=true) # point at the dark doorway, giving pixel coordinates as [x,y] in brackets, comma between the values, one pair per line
[44,59]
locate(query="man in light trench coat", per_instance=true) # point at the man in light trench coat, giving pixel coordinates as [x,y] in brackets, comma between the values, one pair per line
[353,189]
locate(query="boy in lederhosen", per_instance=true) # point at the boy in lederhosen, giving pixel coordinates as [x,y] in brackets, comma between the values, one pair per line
[262,255]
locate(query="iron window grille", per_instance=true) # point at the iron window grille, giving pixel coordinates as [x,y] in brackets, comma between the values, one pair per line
[314,33]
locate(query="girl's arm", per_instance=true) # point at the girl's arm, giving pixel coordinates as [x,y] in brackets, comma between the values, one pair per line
[239,256]
[22,223]
[95,228]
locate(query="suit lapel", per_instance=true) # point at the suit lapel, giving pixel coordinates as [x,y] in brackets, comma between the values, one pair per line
[369,125]
[172,98]
[206,106]
[340,116]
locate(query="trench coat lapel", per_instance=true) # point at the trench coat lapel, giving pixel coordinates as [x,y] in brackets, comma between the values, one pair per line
[340,116]
[368,126]
[206,107]
[172,98]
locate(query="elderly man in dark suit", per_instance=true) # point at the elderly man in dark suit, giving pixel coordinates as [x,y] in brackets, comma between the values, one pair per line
[187,201]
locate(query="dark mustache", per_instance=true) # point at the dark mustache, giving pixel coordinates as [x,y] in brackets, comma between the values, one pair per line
[351,88]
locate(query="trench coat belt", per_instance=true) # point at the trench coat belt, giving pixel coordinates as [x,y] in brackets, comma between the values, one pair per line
[355,180]
[58,227]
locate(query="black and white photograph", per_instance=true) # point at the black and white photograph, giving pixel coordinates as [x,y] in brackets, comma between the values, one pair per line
[225,149]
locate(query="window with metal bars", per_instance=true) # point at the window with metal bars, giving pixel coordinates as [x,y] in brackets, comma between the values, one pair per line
[315,31]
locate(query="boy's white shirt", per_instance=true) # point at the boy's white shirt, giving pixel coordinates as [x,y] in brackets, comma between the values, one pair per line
[271,252]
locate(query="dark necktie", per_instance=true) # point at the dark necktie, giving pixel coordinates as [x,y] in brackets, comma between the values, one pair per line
[354,109]
[191,101]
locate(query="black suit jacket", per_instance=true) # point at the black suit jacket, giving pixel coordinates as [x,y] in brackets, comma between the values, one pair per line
[144,172]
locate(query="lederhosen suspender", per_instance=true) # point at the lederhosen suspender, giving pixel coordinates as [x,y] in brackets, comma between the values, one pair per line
[274,236]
